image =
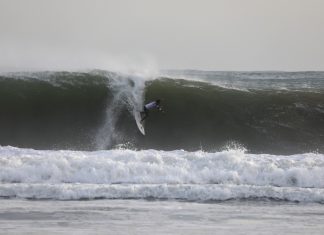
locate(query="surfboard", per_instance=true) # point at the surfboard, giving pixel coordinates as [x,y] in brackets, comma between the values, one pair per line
[138,118]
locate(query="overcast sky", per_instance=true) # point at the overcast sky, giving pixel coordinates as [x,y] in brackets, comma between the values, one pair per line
[168,34]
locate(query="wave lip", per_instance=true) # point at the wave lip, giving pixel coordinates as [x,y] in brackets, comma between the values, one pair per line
[179,174]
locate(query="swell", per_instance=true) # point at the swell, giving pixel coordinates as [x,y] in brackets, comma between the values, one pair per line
[200,115]
[50,110]
[88,111]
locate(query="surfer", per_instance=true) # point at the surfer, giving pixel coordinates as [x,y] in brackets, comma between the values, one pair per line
[152,105]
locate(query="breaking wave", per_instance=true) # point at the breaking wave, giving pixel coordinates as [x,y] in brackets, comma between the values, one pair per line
[125,174]
[264,112]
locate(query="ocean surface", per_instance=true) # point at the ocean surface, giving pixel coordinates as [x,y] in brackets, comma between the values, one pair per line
[233,152]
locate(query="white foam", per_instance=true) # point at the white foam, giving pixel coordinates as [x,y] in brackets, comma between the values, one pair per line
[194,192]
[128,90]
[160,174]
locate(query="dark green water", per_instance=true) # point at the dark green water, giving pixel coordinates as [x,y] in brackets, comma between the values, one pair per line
[281,113]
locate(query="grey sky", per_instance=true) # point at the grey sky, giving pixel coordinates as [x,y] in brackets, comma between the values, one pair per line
[173,34]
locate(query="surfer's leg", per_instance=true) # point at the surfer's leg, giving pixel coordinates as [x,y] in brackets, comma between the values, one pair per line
[145,113]
[145,116]
[143,119]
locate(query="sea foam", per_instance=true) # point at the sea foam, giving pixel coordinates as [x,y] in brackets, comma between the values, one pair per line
[176,174]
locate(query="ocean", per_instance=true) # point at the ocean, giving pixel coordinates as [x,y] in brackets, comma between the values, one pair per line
[232,153]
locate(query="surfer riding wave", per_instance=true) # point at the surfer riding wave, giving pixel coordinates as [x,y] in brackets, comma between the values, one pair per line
[152,105]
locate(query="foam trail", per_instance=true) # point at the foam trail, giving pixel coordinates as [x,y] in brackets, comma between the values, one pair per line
[198,175]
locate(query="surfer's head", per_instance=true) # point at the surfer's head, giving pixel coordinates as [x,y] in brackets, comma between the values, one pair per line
[158,101]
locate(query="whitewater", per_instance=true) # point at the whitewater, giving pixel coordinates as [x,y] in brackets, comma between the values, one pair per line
[127,174]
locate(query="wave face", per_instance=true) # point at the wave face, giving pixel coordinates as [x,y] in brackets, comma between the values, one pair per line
[129,174]
[269,112]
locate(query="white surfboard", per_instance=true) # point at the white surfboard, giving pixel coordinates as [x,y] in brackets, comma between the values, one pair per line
[138,118]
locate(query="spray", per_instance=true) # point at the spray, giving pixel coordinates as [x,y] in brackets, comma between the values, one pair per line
[128,92]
